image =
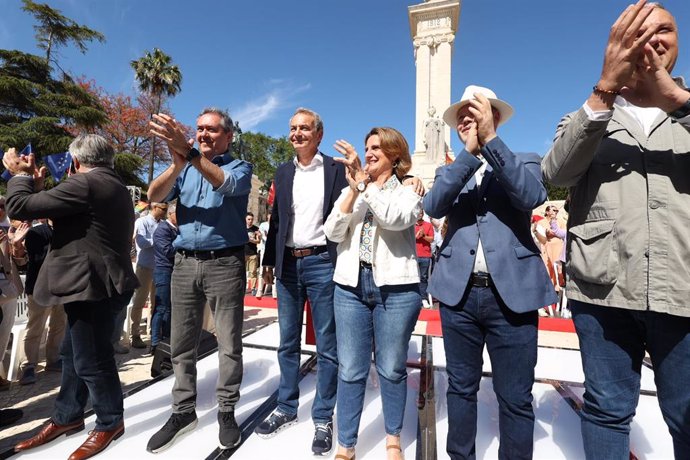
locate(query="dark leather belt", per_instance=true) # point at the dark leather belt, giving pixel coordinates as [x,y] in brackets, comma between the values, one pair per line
[212,254]
[304,252]
[481,280]
[364,264]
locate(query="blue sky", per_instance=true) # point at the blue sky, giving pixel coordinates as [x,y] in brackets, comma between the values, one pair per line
[350,60]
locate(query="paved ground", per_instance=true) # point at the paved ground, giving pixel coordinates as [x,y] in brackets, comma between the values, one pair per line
[36,400]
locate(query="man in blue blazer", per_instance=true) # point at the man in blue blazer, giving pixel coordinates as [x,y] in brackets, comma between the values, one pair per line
[489,276]
[304,260]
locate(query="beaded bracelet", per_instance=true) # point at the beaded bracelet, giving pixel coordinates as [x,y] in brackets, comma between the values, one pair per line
[596,89]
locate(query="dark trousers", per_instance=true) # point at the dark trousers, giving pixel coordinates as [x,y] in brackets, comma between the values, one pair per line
[423,264]
[481,318]
[220,283]
[612,344]
[160,323]
[88,365]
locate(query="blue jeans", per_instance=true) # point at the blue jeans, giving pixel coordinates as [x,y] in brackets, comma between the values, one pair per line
[89,370]
[511,340]
[220,283]
[307,277]
[384,317]
[160,323]
[612,344]
[423,263]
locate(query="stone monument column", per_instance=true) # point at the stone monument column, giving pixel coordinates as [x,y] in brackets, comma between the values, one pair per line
[433,25]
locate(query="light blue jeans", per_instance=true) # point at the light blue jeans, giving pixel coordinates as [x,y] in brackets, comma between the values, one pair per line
[384,317]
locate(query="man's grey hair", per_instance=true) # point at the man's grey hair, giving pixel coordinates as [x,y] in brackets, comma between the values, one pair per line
[225,120]
[318,123]
[93,150]
[172,206]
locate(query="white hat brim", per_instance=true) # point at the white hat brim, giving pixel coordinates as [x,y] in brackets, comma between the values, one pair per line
[450,116]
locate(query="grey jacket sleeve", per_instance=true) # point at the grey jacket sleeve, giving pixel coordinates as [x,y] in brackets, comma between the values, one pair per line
[575,145]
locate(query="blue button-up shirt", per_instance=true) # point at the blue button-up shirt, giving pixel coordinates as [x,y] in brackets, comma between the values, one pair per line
[208,218]
[143,237]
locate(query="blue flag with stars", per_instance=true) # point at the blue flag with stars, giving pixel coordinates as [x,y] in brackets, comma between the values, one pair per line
[25,151]
[58,164]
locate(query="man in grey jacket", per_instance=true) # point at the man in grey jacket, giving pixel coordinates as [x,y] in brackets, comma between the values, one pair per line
[625,157]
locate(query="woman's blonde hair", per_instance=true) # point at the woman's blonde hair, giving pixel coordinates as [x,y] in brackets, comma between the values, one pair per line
[395,147]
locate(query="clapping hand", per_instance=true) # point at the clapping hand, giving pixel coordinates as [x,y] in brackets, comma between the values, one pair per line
[16,163]
[173,133]
[353,164]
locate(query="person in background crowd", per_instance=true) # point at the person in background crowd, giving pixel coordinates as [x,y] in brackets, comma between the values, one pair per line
[34,241]
[164,255]
[265,273]
[377,294]
[87,270]
[489,277]
[623,156]
[11,287]
[143,238]
[424,236]
[212,190]
[251,253]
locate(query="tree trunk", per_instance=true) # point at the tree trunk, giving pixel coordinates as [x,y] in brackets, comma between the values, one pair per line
[153,143]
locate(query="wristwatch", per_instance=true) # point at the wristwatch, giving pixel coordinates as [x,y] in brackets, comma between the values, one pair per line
[682,111]
[194,153]
[361,186]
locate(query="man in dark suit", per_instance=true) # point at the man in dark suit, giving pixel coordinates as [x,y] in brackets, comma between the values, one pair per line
[304,260]
[489,278]
[88,270]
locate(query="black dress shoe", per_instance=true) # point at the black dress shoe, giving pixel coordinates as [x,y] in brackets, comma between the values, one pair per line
[96,442]
[50,431]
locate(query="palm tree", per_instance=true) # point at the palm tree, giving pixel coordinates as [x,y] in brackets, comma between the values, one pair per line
[156,76]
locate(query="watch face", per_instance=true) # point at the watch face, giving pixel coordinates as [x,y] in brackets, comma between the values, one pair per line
[361,186]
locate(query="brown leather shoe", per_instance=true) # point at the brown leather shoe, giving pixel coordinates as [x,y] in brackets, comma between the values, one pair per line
[50,431]
[96,442]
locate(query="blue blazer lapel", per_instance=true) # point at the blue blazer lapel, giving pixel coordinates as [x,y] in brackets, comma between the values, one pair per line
[329,170]
[287,188]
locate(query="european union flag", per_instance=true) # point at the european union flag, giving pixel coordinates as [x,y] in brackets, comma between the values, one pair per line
[25,151]
[58,164]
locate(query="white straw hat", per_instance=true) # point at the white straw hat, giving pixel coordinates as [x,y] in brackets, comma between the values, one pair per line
[450,116]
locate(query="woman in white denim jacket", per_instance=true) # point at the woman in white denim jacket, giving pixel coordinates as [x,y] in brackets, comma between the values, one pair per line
[376,296]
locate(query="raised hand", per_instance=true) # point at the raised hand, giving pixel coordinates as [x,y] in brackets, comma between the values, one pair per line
[480,108]
[16,164]
[167,128]
[657,88]
[351,161]
[625,46]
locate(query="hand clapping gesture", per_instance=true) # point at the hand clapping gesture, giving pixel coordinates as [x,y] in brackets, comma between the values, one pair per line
[167,128]
[354,172]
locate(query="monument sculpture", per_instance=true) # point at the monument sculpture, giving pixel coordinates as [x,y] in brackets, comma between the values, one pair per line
[434,136]
[433,25]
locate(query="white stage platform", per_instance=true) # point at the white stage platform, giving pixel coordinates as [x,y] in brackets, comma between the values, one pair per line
[556,436]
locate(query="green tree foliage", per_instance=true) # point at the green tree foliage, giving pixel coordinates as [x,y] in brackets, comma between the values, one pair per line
[555,193]
[158,77]
[266,153]
[55,30]
[130,167]
[38,109]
